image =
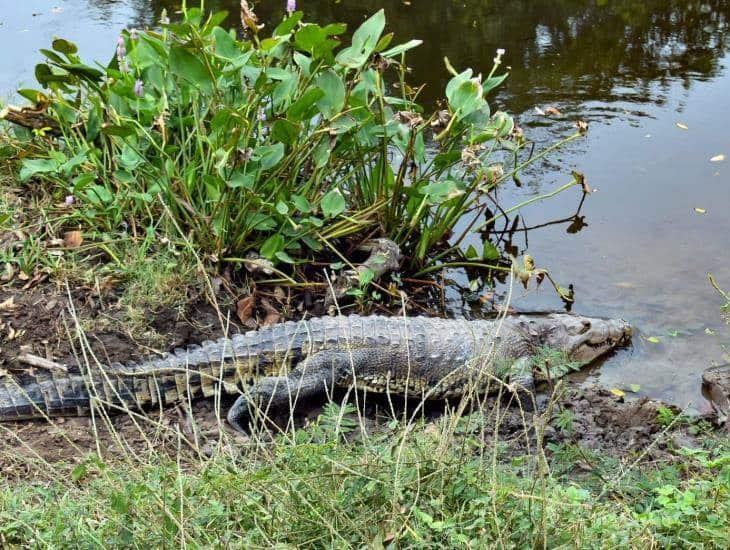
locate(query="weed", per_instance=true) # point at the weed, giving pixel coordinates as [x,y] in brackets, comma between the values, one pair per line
[666,416]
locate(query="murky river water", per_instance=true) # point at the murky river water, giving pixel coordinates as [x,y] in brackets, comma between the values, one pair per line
[633,69]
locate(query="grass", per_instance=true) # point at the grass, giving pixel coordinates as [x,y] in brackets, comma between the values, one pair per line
[328,486]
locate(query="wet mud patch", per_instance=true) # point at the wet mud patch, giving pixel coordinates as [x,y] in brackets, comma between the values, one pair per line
[593,418]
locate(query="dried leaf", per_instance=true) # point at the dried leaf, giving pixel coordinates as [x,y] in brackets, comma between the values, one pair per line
[529,262]
[653,339]
[717,158]
[700,210]
[244,308]
[552,111]
[682,126]
[8,305]
[8,272]
[581,180]
[72,239]
[617,392]
[272,314]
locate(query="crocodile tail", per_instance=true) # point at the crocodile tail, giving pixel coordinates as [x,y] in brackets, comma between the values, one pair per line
[117,389]
[42,397]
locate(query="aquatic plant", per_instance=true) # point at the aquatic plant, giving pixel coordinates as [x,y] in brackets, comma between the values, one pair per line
[278,146]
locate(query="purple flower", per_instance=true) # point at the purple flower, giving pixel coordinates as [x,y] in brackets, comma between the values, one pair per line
[139,88]
[122,55]
[121,48]
[69,200]
[291,6]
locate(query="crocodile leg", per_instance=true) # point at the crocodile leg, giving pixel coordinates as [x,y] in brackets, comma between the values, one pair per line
[312,377]
[522,382]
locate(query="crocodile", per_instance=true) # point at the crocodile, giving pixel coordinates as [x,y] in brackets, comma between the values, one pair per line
[274,367]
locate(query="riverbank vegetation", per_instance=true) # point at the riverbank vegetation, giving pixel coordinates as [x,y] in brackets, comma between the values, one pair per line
[283,154]
[333,483]
[206,177]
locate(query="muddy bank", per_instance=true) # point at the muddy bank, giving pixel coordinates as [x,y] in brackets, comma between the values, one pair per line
[630,429]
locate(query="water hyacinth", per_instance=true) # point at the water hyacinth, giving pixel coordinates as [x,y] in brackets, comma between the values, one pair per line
[139,88]
[291,6]
[122,54]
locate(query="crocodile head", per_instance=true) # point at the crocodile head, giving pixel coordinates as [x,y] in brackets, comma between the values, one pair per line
[716,388]
[583,339]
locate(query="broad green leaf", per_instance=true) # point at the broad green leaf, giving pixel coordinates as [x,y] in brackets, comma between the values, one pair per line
[269,155]
[333,203]
[83,71]
[130,159]
[367,35]
[285,131]
[225,44]
[271,246]
[64,46]
[98,194]
[34,96]
[401,48]
[188,67]
[466,98]
[288,24]
[333,99]
[384,42]
[491,83]
[241,179]
[284,257]
[282,208]
[352,57]
[301,203]
[31,167]
[457,81]
[303,108]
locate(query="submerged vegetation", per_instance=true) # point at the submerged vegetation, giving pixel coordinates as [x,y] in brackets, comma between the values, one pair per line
[274,151]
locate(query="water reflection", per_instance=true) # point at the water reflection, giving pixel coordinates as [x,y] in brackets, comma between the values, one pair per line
[561,50]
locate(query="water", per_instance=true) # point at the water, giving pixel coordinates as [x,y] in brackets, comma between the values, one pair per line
[632,69]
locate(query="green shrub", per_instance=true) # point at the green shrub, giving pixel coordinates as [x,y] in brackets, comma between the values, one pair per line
[278,145]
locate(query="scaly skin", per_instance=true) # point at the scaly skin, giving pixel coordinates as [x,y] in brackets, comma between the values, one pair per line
[417,356]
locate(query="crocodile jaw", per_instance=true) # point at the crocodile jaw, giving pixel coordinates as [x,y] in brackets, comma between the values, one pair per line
[584,339]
